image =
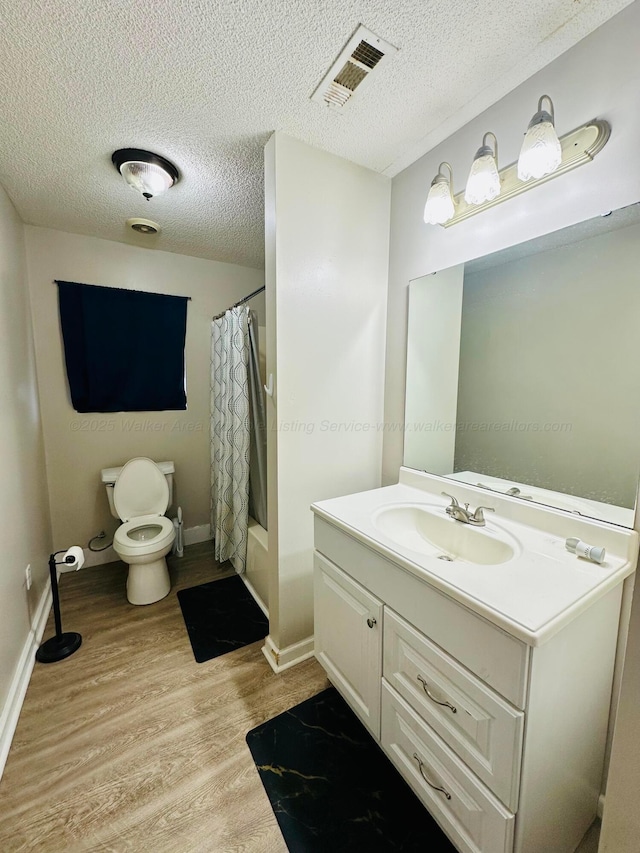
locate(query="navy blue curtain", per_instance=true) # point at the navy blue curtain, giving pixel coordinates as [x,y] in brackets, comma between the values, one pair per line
[124,349]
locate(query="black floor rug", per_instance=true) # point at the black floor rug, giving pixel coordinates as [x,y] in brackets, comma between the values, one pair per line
[221,616]
[333,789]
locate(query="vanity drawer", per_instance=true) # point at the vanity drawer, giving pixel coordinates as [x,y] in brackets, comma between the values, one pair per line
[467,811]
[483,729]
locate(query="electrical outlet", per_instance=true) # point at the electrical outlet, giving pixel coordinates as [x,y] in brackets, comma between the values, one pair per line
[28,576]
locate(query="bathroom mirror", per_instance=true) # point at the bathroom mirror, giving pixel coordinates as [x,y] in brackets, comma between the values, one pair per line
[523,370]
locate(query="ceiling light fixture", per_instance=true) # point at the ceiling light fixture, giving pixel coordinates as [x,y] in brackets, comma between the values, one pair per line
[538,163]
[483,183]
[145,172]
[440,207]
[541,151]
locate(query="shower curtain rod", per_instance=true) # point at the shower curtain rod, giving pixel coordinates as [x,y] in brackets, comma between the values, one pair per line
[240,302]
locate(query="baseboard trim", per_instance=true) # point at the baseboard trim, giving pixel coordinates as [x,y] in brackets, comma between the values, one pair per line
[281,659]
[255,595]
[199,533]
[17,691]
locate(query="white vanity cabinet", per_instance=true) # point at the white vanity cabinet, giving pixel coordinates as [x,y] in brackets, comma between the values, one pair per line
[501,740]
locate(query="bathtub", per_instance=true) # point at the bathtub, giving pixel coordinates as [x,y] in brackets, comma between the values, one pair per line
[256,576]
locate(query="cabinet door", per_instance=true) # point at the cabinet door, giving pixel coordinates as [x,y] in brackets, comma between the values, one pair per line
[348,639]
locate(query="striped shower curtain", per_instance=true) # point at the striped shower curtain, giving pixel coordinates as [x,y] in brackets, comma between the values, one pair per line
[230,436]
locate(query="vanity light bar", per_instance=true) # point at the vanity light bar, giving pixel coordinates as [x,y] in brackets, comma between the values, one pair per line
[578,146]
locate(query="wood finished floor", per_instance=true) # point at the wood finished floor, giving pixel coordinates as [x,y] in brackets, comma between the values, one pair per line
[130,745]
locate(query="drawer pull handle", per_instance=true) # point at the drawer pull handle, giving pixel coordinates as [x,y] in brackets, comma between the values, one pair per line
[371,622]
[425,687]
[430,784]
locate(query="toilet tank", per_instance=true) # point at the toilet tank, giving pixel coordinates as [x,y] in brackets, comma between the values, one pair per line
[110,475]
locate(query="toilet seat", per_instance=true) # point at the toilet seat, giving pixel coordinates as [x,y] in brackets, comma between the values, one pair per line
[140,490]
[129,547]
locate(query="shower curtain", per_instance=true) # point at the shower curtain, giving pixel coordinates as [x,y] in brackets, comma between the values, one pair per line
[235,400]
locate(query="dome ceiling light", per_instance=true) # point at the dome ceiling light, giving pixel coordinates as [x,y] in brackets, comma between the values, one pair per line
[145,172]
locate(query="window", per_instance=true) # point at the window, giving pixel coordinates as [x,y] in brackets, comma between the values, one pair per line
[124,349]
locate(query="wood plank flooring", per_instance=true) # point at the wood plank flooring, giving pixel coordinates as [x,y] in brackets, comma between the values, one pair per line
[130,745]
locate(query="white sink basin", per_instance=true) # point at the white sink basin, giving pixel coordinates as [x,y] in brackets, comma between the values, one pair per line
[430,531]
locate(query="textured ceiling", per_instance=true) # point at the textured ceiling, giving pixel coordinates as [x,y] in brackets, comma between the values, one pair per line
[205,82]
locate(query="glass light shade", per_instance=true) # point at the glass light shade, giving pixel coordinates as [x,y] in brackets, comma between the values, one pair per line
[147,178]
[439,207]
[541,152]
[483,183]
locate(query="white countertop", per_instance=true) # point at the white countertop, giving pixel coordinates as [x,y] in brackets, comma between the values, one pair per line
[531,596]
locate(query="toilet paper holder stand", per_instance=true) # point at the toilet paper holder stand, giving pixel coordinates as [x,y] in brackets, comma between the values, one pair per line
[61,645]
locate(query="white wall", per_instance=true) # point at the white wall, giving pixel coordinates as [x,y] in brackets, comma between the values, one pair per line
[79,445]
[327,262]
[599,77]
[26,533]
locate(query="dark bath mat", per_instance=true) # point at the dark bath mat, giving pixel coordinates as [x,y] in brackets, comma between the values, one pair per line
[333,789]
[221,616]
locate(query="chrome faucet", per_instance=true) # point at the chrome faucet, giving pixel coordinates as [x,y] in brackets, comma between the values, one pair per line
[462,514]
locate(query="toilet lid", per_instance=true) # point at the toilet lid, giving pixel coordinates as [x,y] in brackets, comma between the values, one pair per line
[141,489]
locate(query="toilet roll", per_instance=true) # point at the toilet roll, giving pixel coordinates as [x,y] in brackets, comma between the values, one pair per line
[77,557]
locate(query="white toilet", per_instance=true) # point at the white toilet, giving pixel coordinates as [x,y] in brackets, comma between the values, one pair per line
[140,493]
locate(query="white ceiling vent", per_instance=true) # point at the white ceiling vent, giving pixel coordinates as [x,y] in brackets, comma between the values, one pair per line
[362,53]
